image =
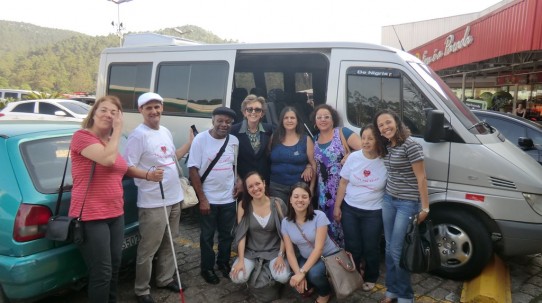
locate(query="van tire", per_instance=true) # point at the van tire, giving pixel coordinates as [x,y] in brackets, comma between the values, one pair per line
[464,243]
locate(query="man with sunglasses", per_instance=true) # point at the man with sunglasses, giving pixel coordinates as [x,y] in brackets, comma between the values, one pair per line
[254,137]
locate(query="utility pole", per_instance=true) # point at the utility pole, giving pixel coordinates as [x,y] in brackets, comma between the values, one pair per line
[119,27]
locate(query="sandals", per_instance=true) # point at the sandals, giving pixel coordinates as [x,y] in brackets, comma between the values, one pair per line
[368,286]
[316,301]
[308,293]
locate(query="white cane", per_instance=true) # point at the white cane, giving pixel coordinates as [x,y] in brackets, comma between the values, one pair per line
[171,242]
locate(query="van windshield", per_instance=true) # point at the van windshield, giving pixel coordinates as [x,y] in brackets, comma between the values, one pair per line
[461,111]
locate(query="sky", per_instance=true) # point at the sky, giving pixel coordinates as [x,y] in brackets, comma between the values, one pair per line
[242,20]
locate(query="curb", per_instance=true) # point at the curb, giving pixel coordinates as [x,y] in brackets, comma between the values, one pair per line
[492,285]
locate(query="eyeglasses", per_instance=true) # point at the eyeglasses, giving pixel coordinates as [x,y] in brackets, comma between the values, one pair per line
[327,117]
[253,110]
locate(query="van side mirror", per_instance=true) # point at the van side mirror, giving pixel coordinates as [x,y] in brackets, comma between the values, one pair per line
[525,143]
[60,113]
[434,128]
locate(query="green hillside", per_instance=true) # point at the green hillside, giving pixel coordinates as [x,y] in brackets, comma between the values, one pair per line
[53,60]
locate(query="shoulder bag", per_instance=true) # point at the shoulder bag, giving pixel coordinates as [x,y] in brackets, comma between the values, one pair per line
[66,228]
[215,160]
[190,199]
[341,270]
[420,251]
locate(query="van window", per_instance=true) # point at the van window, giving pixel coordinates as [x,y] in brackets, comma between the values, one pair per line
[45,160]
[244,80]
[9,95]
[303,81]
[274,80]
[128,81]
[192,87]
[372,89]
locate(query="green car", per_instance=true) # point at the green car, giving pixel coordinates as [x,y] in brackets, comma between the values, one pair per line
[32,159]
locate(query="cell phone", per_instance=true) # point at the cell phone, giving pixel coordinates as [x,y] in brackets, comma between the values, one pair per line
[194,130]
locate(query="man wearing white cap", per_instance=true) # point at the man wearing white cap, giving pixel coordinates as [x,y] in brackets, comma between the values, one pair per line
[150,147]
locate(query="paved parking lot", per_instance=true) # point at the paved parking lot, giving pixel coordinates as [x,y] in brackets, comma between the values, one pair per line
[525,274]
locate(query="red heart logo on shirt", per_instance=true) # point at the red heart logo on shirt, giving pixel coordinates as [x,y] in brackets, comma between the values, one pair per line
[366,173]
[164,149]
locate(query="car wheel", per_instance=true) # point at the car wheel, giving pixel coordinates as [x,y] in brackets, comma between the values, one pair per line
[3,298]
[464,243]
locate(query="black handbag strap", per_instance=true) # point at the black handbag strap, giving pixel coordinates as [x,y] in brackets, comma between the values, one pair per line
[61,189]
[88,186]
[215,160]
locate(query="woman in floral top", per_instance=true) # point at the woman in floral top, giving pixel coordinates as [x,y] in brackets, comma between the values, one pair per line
[330,153]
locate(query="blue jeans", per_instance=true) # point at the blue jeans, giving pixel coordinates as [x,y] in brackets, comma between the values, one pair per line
[316,277]
[396,214]
[221,219]
[362,233]
[102,252]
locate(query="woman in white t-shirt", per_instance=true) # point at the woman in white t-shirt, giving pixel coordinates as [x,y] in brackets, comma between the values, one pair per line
[362,186]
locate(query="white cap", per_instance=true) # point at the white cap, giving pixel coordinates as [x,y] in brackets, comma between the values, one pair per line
[146,97]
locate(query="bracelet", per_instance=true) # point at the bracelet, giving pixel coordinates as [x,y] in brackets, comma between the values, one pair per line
[281,254]
[147,174]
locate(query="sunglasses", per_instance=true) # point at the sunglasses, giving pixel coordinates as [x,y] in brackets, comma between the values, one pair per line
[253,110]
[323,117]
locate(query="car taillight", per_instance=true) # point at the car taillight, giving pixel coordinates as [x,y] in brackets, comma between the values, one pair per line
[1,115]
[31,222]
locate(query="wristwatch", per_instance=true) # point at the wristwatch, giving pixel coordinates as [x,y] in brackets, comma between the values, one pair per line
[301,270]
[425,210]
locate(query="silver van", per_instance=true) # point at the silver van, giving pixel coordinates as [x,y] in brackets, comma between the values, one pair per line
[486,195]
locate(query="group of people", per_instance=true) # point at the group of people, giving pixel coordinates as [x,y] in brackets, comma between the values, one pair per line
[255,186]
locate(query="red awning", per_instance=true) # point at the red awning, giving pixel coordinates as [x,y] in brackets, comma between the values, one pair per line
[514,28]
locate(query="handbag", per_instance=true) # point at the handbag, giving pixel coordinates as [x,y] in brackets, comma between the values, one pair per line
[420,250]
[342,273]
[65,228]
[190,198]
[341,270]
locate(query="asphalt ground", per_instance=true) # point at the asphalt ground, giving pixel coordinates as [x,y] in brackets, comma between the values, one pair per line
[525,281]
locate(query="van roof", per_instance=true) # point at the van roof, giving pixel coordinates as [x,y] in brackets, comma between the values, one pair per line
[170,46]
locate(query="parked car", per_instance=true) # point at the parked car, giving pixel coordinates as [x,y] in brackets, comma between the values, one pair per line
[32,159]
[85,99]
[60,108]
[525,133]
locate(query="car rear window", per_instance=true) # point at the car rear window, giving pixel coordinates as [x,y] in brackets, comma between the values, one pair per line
[45,160]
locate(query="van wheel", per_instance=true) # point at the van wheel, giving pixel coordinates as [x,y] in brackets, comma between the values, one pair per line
[464,243]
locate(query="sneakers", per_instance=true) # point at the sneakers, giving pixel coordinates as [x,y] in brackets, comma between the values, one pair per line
[225,270]
[145,299]
[210,277]
[173,286]
[367,286]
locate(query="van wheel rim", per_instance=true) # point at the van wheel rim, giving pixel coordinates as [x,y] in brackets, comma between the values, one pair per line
[454,244]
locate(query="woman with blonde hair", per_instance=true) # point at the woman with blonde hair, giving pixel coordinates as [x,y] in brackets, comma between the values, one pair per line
[254,137]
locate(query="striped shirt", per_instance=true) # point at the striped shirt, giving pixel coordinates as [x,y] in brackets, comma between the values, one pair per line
[105,193]
[402,182]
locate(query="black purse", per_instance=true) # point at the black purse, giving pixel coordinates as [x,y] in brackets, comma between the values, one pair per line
[420,251]
[66,228]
